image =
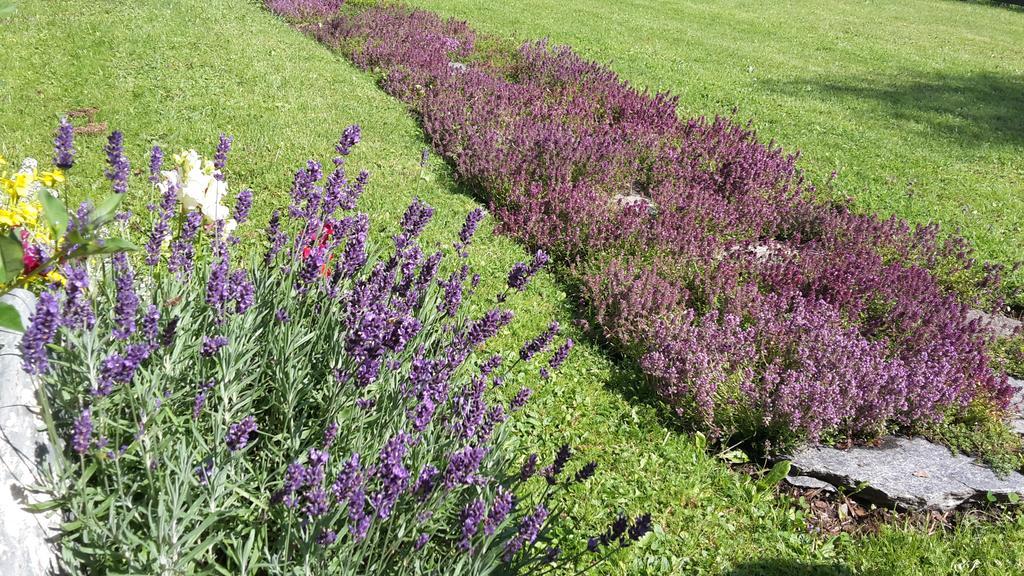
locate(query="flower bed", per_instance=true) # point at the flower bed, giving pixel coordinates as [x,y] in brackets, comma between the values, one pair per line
[757,307]
[326,408]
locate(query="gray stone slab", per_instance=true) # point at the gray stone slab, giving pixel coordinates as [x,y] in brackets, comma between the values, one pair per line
[810,483]
[1017,407]
[907,473]
[24,451]
[1001,326]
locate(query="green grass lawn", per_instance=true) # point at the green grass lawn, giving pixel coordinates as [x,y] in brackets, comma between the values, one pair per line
[177,72]
[918,105]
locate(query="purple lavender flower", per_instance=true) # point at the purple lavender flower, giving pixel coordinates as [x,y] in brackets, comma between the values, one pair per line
[354,256]
[200,401]
[126,304]
[40,332]
[275,236]
[420,542]
[585,473]
[243,204]
[521,273]
[392,474]
[161,226]
[463,466]
[348,480]
[120,168]
[326,538]
[212,345]
[414,221]
[220,157]
[560,355]
[358,519]
[529,467]
[468,230]
[349,138]
[521,398]
[183,249]
[500,509]
[282,316]
[78,312]
[330,433]
[453,288]
[120,368]
[641,526]
[561,459]
[151,325]
[170,329]
[425,482]
[238,433]
[472,515]
[81,434]
[64,145]
[242,292]
[529,529]
[204,471]
[538,344]
[156,163]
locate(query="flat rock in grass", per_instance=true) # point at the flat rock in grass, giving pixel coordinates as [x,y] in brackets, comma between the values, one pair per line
[810,483]
[907,473]
[24,451]
[1017,407]
[1001,326]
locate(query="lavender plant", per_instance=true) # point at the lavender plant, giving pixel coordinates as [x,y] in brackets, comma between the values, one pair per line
[324,408]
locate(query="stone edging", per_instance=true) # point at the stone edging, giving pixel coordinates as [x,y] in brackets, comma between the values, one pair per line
[25,537]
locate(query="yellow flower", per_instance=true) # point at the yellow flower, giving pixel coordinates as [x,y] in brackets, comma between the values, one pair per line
[9,218]
[52,177]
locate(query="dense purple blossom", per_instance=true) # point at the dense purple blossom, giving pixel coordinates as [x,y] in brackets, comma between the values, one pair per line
[81,434]
[212,345]
[126,304]
[504,500]
[349,138]
[529,529]
[425,482]
[348,480]
[519,276]
[539,344]
[200,400]
[561,354]
[358,519]
[463,466]
[529,467]
[413,222]
[238,433]
[392,475]
[473,220]
[243,204]
[64,145]
[41,330]
[120,168]
[120,367]
[183,250]
[472,515]
[161,225]
[156,163]
[151,325]
[275,237]
[220,157]
[78,311]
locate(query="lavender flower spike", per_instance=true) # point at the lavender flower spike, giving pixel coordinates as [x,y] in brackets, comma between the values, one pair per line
[119,165]
[64,145]
[41,330]
[238,433]
[220,158]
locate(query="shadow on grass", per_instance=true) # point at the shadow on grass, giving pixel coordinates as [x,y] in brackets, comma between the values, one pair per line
[779,567]
[971,109]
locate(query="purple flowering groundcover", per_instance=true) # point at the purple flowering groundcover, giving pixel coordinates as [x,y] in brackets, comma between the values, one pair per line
[757,306]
